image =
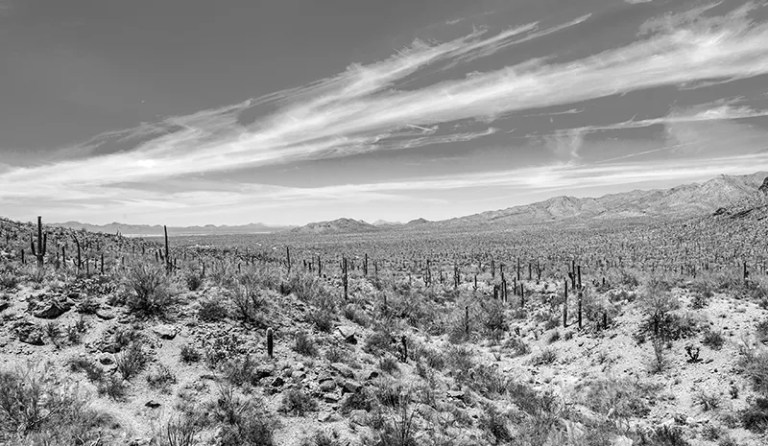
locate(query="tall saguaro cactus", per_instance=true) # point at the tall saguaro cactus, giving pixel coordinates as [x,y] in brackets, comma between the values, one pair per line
[168,264]
[42,242]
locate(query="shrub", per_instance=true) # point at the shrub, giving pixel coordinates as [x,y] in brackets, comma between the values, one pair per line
[618,399]
[388,364]
[37,409]
[496,423]
[194,280]
[150,286]
[756,369]
[113,387]
[304,344]
[189,354]
[212,310]
[250,305]
[755,417]
[545,357]
[92,371]
[707,400]
[244,421]
[296,402]
[713,339]
[131,362]
[161,378]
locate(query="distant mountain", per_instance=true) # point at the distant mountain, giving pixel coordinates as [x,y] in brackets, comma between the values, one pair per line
[680,201]
[151,230]
[340,226]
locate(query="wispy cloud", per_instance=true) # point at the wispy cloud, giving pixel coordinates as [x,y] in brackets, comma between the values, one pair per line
[366,108]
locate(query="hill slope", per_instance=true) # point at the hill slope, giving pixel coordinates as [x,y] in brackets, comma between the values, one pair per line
[681,201]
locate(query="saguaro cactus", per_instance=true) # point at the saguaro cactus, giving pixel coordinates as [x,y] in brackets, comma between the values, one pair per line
[168,264]
[345,277]
[565,305]
[42,242]
[270,343]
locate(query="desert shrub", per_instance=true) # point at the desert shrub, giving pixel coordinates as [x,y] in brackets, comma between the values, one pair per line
[545,357]
[297,402]
[388,364]
[707,400]
[304,344]
[322,438]
[37,410]
[379,343]
[243,421]
[212,310]
[517,345]
[529,400]
[322,320]
[713,339]
[194,280]
[755,417]
[113,386]
[666,436]
[250,305]
[161,378]
[150,294]
[132,361]
[240,370]
[755,367]
[222,347]
[361,400]
[92,371]
[618,399]
[554,337]
[399,430]
[660,362]
[497,425]
[181,432]
[189,354]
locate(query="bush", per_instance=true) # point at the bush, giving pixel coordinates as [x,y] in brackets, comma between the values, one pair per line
[150,286]
[131,362]
[618,399]
[305,345]
[212,310]
[707,400]
[161,378]
[194,280]
[189,354]
[244,421]
[755,417]
[298,403]
[93,372]
[756,369]
[713,339]
[40,411]
[545,357]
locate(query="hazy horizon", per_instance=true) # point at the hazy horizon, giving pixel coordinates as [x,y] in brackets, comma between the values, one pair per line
[283,113]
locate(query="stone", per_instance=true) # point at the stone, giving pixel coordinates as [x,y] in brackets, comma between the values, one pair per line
[278,382]
[4,305]
[351,387]
[51,310]
[152,404]
[106,359]
[343,370]
[105,314]
[327,385]
[30,333]
[166,332]
[330,398]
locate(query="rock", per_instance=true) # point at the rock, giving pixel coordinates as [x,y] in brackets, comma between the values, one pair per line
[4,305]
[343,370]
[373,375]
[51,310]
[326,417]
[105,314]
[166,332]
[30,333]
[278,382]
[327,385]
[106,359]
[262,372]
[351,339]
[456,394]
[152,404]
[359,417]
[351,387]
[330,398]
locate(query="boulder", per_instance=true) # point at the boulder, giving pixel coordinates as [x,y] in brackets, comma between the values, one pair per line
[166,332]
[50,309]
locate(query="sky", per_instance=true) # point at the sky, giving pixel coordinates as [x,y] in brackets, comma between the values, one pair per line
[186,112]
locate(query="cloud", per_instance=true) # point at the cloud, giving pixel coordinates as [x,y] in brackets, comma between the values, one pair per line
[366,108]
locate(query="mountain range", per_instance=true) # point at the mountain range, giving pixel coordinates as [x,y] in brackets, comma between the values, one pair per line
[681,201]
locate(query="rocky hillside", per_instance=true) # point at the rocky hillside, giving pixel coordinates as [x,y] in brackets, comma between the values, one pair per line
[340,226]
[681,201]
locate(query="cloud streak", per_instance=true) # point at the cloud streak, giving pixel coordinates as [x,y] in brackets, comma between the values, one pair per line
[367,108]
